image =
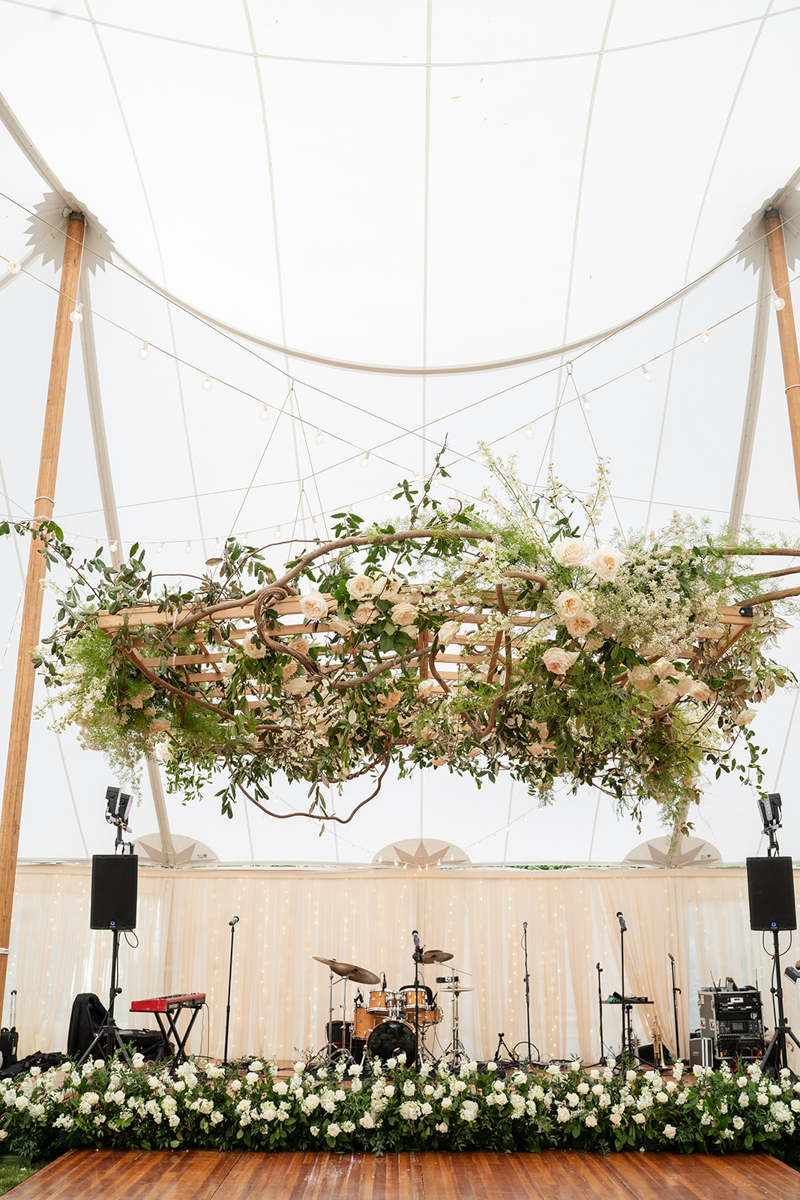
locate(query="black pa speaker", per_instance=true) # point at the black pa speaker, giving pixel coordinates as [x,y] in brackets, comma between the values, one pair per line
[770,888]
[114,886]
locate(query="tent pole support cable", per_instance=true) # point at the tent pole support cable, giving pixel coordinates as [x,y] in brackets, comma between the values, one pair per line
[786,329]
[22,709]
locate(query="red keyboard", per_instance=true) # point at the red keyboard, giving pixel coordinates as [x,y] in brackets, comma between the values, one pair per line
[169,1003]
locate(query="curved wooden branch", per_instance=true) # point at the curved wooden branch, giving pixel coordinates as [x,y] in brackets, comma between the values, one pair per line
[786,550]
[279,647]
[388,664]
[187,697]
[768,597]
[317,816]
[530,575]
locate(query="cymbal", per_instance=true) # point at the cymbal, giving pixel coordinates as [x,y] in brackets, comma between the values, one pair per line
[436,956]
[456,991]
[348,970]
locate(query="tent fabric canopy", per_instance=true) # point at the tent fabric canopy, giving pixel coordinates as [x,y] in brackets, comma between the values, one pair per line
[435,186]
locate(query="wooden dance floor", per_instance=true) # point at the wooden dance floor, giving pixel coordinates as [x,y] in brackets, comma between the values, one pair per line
[553,1175]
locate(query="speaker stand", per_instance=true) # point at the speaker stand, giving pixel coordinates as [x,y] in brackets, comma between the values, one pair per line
[109,1032]
[775,1058]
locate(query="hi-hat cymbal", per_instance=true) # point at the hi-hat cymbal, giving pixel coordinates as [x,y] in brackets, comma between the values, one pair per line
[436,956]
[456,990]
[348,970]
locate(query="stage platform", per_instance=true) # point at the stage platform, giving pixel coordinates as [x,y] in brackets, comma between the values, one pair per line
[553,1175]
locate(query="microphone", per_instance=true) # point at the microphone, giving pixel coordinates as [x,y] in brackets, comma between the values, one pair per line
[669,956]
[415,935]
[233,921]
[622,924]
[524,924]
[597,967]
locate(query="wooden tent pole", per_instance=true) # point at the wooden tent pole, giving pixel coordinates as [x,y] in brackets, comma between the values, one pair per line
[786,329]
[32,605]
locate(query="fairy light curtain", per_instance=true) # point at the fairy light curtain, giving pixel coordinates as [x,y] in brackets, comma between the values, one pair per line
[280,995]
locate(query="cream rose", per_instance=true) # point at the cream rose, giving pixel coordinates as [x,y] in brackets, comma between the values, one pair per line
[386,588]
[251,649]
[683,683]
[641,678]
[298,687]
[448,632]
[570,552]
[364,613]
[289,670]
[663,667]
[579,625]
[425,687]
[744,717]
[390,699]
[404,613]
[360,587]
[161,725]
[340,626]
[410,631]
[606,561]
[300,645]
[559,661]
[701,691]
[665,693]
[569,604]
[313,606]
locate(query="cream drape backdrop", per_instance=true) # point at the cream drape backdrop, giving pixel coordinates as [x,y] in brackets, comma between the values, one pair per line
[280,995]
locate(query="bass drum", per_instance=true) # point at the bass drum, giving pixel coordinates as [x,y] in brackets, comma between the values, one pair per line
[391,1038]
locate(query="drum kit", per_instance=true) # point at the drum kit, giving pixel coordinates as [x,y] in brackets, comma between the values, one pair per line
[390,1022]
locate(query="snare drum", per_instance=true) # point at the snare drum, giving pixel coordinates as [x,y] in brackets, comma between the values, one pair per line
[364,1022]
[382,1002]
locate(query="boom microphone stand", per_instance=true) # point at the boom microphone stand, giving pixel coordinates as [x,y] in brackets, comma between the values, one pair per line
[417,956]
[600,1009]
[676,991]
[527,988]
[232,924]
[627,1040]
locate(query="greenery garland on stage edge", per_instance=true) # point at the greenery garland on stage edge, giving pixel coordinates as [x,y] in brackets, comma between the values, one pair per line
[606,666]
[396,1108]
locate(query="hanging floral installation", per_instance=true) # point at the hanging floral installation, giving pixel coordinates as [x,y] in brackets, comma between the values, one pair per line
[518,642]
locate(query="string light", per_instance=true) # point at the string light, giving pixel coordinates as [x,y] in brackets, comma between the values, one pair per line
[646,374]
[113,547]
[278,530]
[705,335]
[143,351]
[528,432]
[75,540]
[365,460]
[77,316]
[188,548]
[264,414]
[160,548]
[417,477]
[217,544]
[388,497]
[14,268]
[320,438]
[586,403]
[481,457]
[778,302]
[207,385]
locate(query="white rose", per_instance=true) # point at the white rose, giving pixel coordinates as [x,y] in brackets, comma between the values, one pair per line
[425,687]
[571,552]
[360,587]
[606,561]
[340,626]
[641,678]
[313,606]
[665,693]
[404,613]
[670,1131]
[569,604]
[559,661]
[701,691]
[251,649]
[298,687]
[580,625]
[448,632]
[365,613]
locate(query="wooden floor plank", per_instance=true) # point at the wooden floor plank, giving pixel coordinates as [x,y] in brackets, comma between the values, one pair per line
[553,1175]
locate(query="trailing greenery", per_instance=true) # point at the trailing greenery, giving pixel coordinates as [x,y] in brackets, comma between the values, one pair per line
[576,661]
[391,1108]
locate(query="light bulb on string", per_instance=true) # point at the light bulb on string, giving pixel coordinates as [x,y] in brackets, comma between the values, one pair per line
[264,414]
[187,549]
[481,457]
[705,335]
[113,547]
[646,374]
[14,268]
[217,544]
[529,431]
[365,460]
[417,477]
[143,351]
[74,540]
[278,530]
[586,403]
[207,384]
[320,438]
[315,523]
[77,316]
[388,497]
[778,303]
[436,481]
[160,548]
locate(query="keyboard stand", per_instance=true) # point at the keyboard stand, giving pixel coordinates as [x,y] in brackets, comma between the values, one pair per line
[180,1042]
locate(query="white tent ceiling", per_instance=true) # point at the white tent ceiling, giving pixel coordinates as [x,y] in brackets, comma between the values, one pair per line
[413,186]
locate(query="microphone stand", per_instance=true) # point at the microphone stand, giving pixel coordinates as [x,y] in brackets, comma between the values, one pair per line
[230,977]
[676,991]
[626,1009]
[600,1009]
[527,988]
[417,956]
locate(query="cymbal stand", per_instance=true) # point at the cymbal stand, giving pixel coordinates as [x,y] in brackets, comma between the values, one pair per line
[456,1052]
[417,956]
[527,987]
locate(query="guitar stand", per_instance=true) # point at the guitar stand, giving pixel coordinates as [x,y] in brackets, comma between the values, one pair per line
[501,1045]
